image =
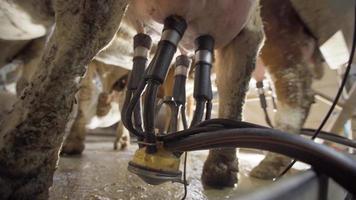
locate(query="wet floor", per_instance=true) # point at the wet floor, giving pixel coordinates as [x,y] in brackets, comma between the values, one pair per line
[100,173]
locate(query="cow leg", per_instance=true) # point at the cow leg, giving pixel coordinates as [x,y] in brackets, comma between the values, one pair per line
[290,55]
[122,140]
[32,133]
[235,63]
[74,142]
[30,57]
[122,134]
[294,94]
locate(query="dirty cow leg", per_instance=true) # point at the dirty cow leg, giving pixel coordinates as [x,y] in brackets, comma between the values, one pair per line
[290,55]
[293,87]
[32,133]
[30,57]
[74,142]
[234,65]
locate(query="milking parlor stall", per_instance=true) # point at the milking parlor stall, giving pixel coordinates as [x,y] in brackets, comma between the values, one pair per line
[177,99]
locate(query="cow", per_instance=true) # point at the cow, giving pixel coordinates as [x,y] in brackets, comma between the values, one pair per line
[33,131]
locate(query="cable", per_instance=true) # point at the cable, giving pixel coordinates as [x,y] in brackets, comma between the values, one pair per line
[125,119]
[209,107]
[198,113]
[137,117]
[181,134]
[129,109]
[339,92]
[267,118]
[184,118]
[149,114]
[185,126]
[263,102]
[185,176]
[228,123]
[332,137]
[221,124]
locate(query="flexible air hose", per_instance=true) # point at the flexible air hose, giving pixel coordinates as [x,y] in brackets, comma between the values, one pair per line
[324,159]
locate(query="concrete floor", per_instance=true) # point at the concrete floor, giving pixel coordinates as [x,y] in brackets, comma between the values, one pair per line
[101,174]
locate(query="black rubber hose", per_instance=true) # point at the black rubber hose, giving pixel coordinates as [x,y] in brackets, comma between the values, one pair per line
[149,114]
[166,48]
[137,117]
[331,137]
[182,134]
[209,125]
[202,82]
[129,109]
[160,63]
[229,123]
[267,118]
[137,73]
[198,113]
[126,118]
[323,132]
[324,159]
[209,107]
[142,44]
[184,117]
[179,89]
[180,77]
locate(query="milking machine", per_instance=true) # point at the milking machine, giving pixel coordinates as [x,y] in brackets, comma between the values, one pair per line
[159,155]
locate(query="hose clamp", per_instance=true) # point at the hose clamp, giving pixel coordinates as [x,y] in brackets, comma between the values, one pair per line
[181,70]
[141,51]
[171,36]
[205,56]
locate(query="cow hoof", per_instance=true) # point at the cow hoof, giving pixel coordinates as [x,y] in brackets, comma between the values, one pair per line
[115,145]
[72,148]
[103,106]
[220,173]
[122,145]
[124,142]
[103,110]
[270,167]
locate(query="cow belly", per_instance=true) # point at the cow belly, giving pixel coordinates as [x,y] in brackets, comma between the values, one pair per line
[222,19]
